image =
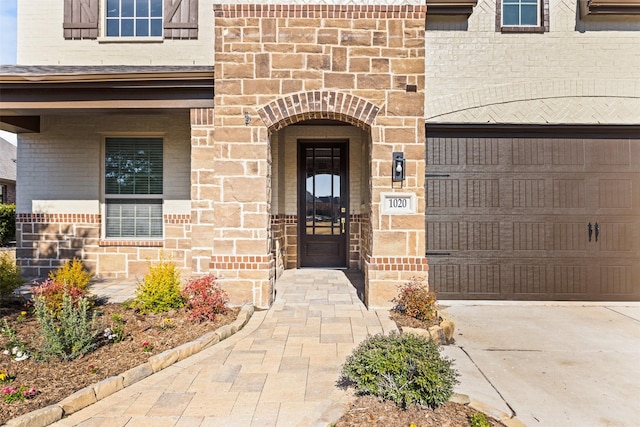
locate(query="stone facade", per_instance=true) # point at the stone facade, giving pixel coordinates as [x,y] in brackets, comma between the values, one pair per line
[230,201]
[281,65]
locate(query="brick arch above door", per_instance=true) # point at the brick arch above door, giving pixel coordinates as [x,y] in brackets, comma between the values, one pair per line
[333,105]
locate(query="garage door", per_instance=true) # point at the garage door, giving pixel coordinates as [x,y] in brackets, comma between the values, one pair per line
[533,217]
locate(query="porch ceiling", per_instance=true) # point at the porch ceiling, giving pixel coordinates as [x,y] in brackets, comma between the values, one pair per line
[27,92]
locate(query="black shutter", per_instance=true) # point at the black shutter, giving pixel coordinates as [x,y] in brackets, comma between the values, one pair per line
[181,19]
[80,19]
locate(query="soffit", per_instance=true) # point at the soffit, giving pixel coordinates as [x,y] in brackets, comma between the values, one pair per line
[42,88]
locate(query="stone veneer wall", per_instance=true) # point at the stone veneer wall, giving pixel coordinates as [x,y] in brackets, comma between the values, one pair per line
[282,64]
[47,241]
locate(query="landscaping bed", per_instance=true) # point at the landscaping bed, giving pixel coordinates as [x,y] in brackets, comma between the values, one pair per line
[372,412]
[127,338]
[55,379]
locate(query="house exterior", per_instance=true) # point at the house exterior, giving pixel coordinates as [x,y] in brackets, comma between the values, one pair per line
[493,148]
[7,172]
[533,152]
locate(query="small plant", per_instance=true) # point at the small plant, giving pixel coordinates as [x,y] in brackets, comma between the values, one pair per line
[416,300]
[52,293]
[22,316]
[6,377]
[72,273]
[116,332]
[12,394]
[205,298]
[10,278]
[146,347]
[403,368]
[70,333]
[18,349]
[166,323]
[479,420]
[159,290]
[92,369]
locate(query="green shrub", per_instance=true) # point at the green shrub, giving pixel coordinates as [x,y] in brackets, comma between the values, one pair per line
[205,298]
[7,223]
[416,300]
[10,279]
[402,368]
[70,333]
[479,420]
[72,273]
[159,290]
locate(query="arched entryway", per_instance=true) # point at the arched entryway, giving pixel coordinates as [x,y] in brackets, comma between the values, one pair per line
[320,169]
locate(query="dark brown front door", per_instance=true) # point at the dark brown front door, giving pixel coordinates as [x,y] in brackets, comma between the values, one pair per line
[323,205]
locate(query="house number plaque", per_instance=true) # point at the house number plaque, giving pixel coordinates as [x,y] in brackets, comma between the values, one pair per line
[398,203]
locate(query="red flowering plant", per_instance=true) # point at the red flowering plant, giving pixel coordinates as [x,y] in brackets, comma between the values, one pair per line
[205,298]
[52,292]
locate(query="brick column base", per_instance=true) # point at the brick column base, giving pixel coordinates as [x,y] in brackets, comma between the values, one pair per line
[246,278]
[383,275]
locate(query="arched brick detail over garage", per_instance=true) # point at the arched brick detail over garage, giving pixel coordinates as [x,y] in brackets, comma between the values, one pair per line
[318,105]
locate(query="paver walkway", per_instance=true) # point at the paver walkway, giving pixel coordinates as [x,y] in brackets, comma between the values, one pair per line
[280,370]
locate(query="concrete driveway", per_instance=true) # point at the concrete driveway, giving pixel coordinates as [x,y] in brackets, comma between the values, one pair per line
[551,365]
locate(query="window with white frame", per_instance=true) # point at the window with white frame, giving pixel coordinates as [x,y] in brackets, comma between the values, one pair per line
[3,194]
[522,16]
[516,13]
[133,18]
[133,188]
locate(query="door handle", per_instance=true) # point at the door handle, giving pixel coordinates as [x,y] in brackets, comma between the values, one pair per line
[597,231]
[590,228]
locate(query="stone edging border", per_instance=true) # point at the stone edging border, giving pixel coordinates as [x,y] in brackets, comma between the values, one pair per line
[499,415]
[91,394]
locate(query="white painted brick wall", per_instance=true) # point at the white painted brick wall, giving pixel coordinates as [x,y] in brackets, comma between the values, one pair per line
[479,67]
[59,169]
[41,41]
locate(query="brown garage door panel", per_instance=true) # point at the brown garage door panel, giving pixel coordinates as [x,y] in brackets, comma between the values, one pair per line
[533,280]
[548,218]
[479,280]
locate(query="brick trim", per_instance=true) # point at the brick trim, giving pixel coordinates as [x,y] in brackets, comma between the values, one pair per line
[201,116]
[293,219]
[241,262]
[59,218]
[177,219]
[302,106]
[134,243]
[316,11]
[398,263]
[284,218]
[69,218]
